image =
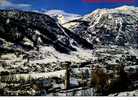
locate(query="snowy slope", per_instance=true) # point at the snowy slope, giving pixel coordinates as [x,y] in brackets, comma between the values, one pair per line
[61,16]
[108,26]
[27,30]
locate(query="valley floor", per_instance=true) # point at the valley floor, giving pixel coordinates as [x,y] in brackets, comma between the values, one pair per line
[45,72]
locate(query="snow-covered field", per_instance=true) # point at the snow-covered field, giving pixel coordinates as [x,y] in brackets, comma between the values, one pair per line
[59,74]
[51,55]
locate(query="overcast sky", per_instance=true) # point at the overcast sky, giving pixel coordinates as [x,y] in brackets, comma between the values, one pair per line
[71,6]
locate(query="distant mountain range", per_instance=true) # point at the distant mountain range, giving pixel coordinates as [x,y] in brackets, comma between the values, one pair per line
[22,30]
[117,26]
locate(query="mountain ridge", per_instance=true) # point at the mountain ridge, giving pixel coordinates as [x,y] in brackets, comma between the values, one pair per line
[19,27]
[116,26]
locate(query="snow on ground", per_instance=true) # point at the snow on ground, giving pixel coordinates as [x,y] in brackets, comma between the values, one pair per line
[62,16]
[60,73]
[133,52]
[128,93]
[51,55]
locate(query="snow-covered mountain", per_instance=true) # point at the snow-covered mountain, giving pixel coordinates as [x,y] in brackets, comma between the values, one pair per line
[61,16]
[26,30]
[108,26]
[37,51]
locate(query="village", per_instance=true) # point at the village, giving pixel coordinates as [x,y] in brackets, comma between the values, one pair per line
[112,71]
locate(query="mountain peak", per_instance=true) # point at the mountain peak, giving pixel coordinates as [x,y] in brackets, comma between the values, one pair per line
[62,16]
[126,7]
[110,26]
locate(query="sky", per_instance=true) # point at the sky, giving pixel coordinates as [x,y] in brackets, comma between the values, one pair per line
[70,6]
